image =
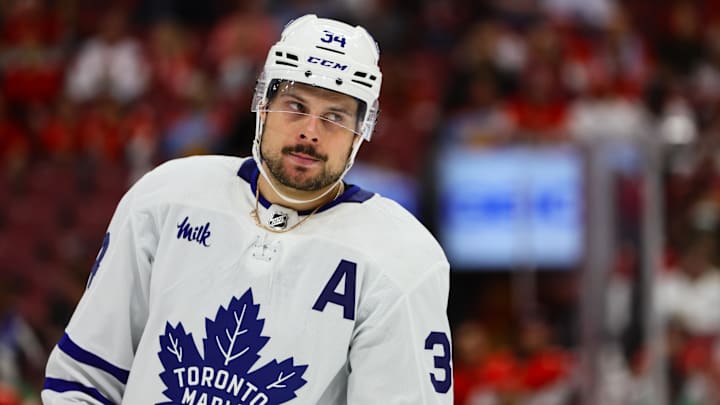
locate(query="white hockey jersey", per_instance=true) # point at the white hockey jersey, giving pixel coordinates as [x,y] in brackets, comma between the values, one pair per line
[191,302]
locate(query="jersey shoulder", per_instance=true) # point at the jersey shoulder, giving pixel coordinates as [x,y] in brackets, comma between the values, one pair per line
[401,229]
[194,180]
[394,239]
[199,169]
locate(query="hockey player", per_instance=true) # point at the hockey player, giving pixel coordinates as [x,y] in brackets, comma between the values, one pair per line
[267,280]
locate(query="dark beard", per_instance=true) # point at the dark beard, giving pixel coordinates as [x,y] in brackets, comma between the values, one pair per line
[322,180]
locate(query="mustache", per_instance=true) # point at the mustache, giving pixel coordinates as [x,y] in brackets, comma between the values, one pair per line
[305,149]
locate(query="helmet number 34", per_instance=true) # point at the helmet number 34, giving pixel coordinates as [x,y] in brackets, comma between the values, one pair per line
[330,37]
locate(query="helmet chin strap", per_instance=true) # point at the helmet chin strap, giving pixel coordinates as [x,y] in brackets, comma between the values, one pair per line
[257,155]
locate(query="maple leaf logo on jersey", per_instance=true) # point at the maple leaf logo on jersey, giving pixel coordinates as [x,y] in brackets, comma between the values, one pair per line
[233,340]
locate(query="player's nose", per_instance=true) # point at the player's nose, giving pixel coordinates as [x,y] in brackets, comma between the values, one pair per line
[311,128]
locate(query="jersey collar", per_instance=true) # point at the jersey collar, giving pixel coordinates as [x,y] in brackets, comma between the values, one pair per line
[353,194]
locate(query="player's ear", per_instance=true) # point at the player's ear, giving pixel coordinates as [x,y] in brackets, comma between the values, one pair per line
[357,139]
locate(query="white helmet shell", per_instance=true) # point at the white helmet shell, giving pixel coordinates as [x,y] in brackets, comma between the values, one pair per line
[328,54]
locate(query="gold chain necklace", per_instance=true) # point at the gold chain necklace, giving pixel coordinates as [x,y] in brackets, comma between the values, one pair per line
[256,216]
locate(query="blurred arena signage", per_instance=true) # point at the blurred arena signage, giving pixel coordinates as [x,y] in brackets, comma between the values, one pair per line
[511,208]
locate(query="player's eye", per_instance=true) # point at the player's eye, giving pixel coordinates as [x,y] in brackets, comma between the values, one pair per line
[295,106]
[336,118]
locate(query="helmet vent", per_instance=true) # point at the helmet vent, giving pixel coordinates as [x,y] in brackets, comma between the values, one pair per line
[287,57]
[363,83]
[282,62]
[329,49]
[364,75]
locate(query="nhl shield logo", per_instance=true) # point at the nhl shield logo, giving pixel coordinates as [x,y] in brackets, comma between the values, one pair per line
[279,221]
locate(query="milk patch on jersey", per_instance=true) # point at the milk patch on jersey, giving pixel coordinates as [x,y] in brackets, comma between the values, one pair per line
[199,234]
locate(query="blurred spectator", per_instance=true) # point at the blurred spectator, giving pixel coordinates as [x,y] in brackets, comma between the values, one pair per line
[619,292]
[539,112]
[481,120]
[628,61]
[623,381]
[591,12]
[538,106]
[705,86]
[616,60]
[32,74]
[441,22]
[471,347]
[195,129]
[488,46]
[691,292]
[546,376]
[32,20]
[15,147]
[58,136]
[9,395]
[518,13]
[285,10]
[110,63]
[681,48]
[142,132]
[695,365]
[99,134]
[21,352]
[31,58]
[238,45]
[604,113]
[173,58]
[399,109]
[483,374]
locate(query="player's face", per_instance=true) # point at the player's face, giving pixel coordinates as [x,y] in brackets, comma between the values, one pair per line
[308,136]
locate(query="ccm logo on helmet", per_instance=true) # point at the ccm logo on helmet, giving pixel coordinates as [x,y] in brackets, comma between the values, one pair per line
[326,63]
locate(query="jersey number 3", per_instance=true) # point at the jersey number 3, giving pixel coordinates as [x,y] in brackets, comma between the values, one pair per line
[442,361]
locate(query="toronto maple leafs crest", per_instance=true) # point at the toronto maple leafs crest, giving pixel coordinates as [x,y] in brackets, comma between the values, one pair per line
[223,376]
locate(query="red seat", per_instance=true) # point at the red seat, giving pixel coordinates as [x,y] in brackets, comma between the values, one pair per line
[32,210]
[52,180]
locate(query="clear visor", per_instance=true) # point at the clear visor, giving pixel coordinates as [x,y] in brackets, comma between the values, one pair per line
[312,108]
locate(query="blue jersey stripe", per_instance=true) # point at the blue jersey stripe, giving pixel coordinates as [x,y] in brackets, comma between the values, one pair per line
[83,356]
[58,385]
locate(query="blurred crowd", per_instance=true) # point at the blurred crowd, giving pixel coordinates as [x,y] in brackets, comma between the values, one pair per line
[94,94]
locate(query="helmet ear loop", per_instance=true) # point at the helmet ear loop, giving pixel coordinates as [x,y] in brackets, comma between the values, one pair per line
[260,118]
[353,153]
[262,115]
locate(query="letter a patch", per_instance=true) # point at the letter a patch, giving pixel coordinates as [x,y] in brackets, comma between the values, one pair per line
[345,270]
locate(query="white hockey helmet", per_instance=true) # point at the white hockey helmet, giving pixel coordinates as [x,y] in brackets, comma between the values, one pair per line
[328,54]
